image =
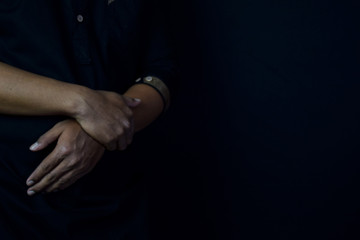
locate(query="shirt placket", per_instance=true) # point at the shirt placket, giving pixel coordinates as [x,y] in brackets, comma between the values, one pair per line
[81,35]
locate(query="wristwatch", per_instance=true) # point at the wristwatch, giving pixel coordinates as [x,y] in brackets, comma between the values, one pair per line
[159,86]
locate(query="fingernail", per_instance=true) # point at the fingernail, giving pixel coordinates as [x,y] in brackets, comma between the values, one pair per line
[30,192]
[30,182]
[34,146]
[127,124]
[137,99]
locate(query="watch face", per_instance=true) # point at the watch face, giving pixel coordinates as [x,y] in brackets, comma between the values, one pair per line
[148,79]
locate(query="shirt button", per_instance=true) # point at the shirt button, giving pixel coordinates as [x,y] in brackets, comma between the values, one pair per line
[80,18]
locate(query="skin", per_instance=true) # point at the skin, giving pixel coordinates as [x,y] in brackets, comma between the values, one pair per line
[98,120]
[75,155]
[105,116]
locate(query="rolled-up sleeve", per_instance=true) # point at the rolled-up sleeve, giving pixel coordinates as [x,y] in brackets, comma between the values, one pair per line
[158,59]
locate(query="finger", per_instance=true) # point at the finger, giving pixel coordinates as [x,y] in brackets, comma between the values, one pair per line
[122,143]
[130,132]
[47,138]
[63,168]
[131,102]
[63,182]
[111,146]
[48,164]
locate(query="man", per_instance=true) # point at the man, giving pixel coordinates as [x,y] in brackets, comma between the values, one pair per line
[67,73]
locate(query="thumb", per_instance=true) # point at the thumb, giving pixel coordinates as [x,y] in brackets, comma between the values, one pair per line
[46,139]
[132,102]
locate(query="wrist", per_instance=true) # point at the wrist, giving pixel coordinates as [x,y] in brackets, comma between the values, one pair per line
[150,107]
[160,87]
[77,104]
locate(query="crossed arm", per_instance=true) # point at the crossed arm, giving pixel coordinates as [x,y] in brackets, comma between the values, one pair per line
[97,120]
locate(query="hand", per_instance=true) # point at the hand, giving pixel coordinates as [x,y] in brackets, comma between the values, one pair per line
[107,117]
[75,155]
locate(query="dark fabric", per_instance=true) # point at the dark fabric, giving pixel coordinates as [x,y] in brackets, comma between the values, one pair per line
[108,50]
[283,77]
[274,134]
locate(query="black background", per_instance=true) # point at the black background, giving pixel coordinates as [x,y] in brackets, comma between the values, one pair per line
[262,140]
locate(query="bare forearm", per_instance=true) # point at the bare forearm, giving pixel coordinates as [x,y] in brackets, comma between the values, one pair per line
[101,114]
[151,105]
[25,93]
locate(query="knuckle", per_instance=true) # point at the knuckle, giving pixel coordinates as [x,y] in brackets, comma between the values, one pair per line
[44,167]
[61,182]
[120,131]
[65,150]
[66,168]
[51,178]
[71,164]
[110,139]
